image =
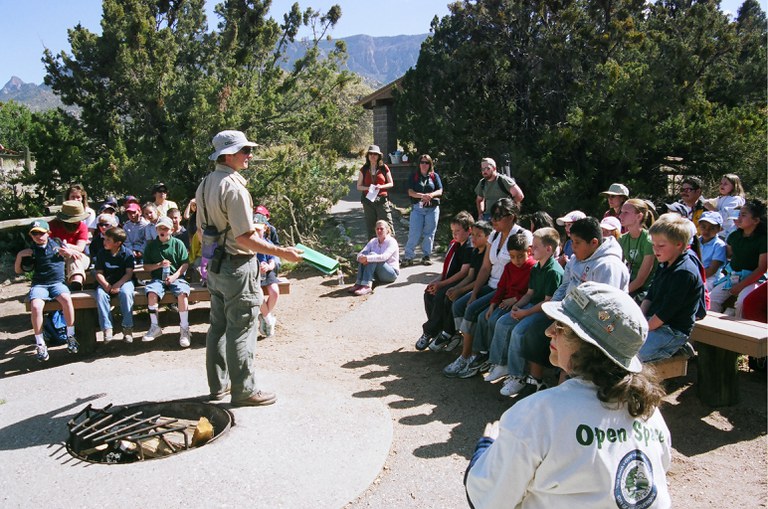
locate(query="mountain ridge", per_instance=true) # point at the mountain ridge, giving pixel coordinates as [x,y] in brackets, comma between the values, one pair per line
[378,60]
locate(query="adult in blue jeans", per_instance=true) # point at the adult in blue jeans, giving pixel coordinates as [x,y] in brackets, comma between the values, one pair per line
[224,202]
[379,259]
[467,308]
[425,189]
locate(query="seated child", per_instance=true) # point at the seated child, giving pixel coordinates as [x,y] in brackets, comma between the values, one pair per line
[167,258]
[676,295]
[178,231]
[512,286]
[566,221]
[151,214]
[448,339]
[713,248]
[455,269]
[506,345]
[114,275]
[136,230]
[47,284]
[103,223]
[70,230]
[746,248]
[268,265]
[728,202]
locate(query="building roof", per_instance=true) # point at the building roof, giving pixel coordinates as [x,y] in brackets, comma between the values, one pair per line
[381,96]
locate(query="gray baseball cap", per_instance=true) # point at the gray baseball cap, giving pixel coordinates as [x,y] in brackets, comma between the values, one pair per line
[606,317]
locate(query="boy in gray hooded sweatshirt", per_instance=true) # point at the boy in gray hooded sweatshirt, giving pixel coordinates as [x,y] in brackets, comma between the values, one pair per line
[595,259]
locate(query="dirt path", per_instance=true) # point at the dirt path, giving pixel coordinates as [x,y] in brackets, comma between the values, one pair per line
[365,345]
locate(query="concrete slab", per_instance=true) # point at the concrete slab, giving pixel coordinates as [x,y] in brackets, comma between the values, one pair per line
[316,447]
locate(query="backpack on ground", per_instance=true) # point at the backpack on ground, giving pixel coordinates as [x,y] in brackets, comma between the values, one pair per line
[55,328]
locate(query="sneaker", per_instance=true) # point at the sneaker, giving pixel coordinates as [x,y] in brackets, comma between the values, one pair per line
[423,342]
[426,260]
[353,289]
[108,335]
[128,334]
[531,386]
[473,367]
[481,362]
[497,372]
[363,290]
[453,369]
[455,341]
[440,342]
[512,386]
[184,337]
[42,353]
[269,325]
[262,325]
[153,333]
[72,345]
[407,262]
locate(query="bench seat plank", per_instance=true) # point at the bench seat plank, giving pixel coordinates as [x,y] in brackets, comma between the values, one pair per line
[746,337]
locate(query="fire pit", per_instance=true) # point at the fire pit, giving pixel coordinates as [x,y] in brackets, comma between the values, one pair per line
[145,430]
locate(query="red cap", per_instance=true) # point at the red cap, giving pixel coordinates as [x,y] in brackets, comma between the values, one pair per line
[261,209]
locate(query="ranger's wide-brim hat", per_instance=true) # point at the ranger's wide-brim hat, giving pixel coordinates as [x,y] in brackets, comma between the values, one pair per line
[229,142]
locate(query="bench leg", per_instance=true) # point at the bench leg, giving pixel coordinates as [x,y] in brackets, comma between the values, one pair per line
[718,383]
[86,325]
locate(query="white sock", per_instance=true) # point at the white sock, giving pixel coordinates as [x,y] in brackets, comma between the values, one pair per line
[152,314]
[184,318]
[70,330]
[39,341]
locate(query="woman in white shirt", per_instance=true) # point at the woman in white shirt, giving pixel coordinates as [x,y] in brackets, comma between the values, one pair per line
[379,259]
[596,440]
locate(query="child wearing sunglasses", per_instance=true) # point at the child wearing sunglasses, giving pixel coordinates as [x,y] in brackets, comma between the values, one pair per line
[46,262]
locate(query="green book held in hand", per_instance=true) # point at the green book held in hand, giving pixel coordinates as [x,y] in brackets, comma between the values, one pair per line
[324,264]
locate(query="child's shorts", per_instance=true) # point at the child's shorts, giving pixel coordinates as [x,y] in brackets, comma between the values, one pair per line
[270,278]
[47,292]
[176,288]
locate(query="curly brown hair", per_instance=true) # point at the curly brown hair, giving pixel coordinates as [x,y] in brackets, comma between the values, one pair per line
[640,392]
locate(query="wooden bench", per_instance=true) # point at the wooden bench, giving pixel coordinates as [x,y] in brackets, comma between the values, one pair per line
[675,366]
[87,318]
[720,339]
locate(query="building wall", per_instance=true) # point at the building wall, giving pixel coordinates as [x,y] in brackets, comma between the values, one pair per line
[385,128]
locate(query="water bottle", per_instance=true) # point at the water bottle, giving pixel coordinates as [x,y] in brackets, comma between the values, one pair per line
[166,272]
[340,276]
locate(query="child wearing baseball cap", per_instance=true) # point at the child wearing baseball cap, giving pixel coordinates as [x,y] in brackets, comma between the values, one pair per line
[46,262]
[713,248]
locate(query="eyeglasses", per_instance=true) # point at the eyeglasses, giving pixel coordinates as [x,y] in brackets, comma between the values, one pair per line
[686,189]
[245,150]
[103,224]
[37,233]
[485,168]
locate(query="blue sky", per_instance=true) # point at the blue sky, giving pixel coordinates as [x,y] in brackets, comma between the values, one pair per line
[30,26]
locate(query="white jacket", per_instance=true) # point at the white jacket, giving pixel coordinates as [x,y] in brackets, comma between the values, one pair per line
[563,448]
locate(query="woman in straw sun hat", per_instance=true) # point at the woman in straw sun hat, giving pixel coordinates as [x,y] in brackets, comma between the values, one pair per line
[596,440]
[374,182]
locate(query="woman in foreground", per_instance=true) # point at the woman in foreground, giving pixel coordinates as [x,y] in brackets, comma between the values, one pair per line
[596,440]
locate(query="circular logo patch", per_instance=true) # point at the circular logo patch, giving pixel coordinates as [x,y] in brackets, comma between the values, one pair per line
[634,488]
